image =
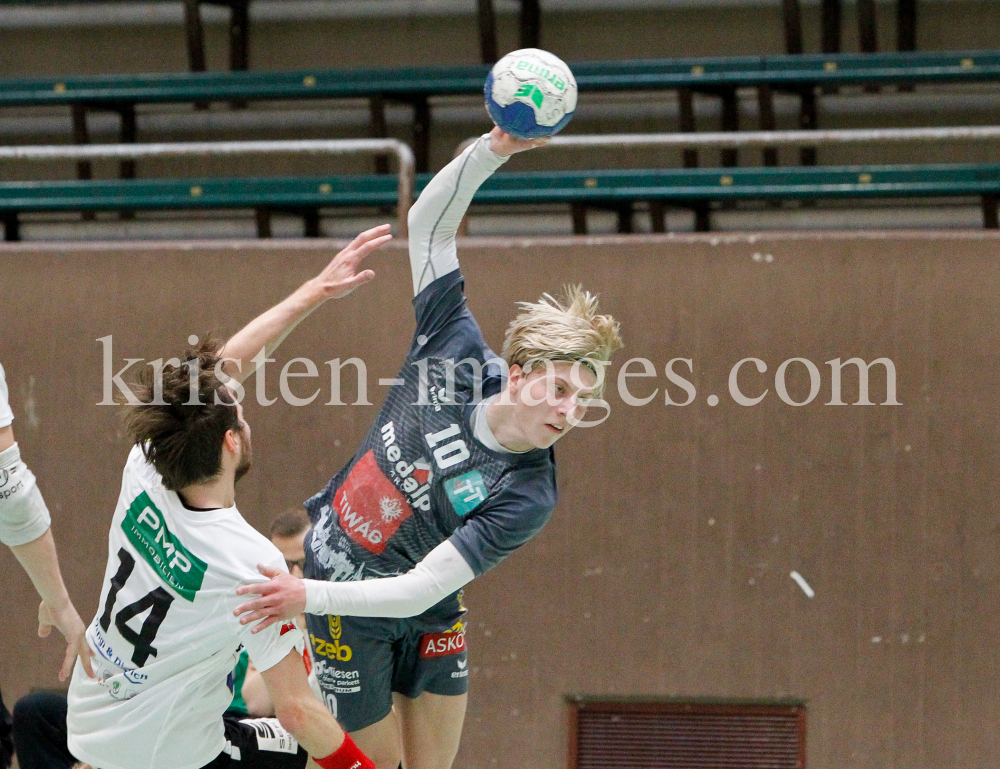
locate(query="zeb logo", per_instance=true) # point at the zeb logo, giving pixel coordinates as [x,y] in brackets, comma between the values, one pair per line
[333,651]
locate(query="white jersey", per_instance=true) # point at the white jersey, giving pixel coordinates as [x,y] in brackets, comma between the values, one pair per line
[165,637]
[6,415]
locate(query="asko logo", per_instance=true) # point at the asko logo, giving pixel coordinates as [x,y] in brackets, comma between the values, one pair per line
[369,506]
[441,644]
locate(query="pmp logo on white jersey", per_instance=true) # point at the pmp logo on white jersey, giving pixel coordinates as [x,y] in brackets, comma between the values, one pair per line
[412,479]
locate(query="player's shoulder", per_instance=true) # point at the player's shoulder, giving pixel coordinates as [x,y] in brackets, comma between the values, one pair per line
[235,548]
[531,480]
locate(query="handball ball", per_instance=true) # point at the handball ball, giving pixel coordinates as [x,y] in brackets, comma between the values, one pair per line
[530,94]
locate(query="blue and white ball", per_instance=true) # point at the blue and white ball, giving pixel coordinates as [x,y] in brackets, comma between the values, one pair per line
[531,93]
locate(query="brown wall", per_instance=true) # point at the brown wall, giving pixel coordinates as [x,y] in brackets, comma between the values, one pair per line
[665,570]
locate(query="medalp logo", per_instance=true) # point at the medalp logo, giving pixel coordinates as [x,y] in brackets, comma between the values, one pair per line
[146,529]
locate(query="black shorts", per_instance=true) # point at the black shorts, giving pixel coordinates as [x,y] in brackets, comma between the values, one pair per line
[360,661]
[258,743]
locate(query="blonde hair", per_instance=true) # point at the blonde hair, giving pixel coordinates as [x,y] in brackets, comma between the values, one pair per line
[566,329]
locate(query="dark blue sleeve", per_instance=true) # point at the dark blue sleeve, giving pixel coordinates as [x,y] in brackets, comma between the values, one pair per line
[506,522]
[445,326]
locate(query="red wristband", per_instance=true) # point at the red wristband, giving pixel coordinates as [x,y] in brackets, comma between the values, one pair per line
[347,756]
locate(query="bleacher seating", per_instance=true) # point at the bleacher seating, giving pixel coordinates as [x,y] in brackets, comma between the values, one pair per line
[619,190]
[720,77]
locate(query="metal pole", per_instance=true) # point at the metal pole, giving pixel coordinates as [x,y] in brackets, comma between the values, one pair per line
[771,138]
[176,149]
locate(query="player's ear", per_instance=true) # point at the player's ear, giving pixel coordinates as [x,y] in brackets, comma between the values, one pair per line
[515,378]
[231,441]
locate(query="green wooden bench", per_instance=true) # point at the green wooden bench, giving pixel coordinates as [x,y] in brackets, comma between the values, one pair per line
[697,189]
[618,190]
[303,196]
[720,77]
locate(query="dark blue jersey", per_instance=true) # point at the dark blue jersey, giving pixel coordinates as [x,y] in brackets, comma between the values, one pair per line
[420,476]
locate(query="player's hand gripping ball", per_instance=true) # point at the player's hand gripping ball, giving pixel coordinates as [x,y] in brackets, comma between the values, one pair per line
[531,93]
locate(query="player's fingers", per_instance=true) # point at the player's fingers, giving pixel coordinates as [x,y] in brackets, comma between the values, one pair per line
[374,232]
[256,588]
[372,245]
[368,235]
[255,605]
[269,571]
[360,279]
[84,653]
[68,659]
[264,625]
[44,629]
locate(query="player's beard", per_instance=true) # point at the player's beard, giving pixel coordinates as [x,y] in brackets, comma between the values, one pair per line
[246,455]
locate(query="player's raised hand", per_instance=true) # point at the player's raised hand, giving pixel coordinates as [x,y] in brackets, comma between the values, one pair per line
[68,622]
[503,144]
[341,275]
[284,597]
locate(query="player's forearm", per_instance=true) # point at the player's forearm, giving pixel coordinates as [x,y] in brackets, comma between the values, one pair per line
[6,438]
[437,214]
[312,725]
[441,573]
[268,330]
[40,561]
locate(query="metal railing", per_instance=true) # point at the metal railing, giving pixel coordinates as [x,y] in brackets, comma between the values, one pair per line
[401,150]
[771,138]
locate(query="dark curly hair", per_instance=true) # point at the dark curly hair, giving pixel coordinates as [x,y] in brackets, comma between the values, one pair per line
[179,430]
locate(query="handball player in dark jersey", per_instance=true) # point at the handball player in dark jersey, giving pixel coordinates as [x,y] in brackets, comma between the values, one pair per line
[456,473]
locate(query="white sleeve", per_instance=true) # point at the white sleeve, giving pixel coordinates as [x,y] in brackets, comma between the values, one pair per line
[435,217]
[272,645]
[6,415]
[438,575]
[23,514]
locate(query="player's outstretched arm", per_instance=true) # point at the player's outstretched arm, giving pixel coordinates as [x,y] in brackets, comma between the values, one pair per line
[56,610]
[340,277]
[435,217]
[308,720]
[25,529]
[442,571]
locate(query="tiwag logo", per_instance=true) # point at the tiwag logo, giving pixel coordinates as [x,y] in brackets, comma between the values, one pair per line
[441,644]
[369,507]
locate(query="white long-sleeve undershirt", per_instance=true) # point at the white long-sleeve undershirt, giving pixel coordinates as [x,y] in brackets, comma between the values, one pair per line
[442,571]
[435,217]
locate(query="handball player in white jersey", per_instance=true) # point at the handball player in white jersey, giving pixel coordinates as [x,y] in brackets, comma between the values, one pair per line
[164,638]
[456,473]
